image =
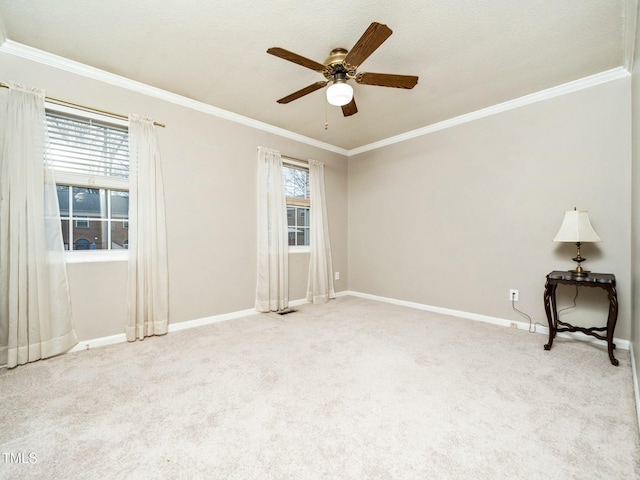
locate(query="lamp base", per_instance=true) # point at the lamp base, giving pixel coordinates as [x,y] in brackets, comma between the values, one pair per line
[580,273]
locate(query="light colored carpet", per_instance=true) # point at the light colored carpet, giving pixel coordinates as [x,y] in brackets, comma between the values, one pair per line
[350,390]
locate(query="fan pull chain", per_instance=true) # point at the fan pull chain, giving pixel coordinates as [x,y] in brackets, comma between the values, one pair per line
[326,122]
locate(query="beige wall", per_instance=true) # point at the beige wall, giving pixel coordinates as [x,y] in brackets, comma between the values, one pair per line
[209,167]
[452,219]
[635,92]
[456,218]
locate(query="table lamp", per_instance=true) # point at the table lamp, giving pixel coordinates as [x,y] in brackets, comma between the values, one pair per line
[576,228]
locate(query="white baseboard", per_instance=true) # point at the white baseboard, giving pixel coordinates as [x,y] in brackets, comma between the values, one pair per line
[199,322]
[296,303]
[634,373]
[620,343]
[99,342]
[175,327]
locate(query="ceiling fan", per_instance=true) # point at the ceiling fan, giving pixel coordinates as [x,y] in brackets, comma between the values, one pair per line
[341,66]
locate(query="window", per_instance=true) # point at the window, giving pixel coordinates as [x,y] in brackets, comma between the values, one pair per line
[93,218]
[296,187]
[91,160]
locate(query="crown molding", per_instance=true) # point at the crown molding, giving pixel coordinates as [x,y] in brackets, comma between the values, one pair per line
[46,58]
[586,82]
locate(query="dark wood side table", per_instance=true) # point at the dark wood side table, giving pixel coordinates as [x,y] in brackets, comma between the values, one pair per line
[602,280]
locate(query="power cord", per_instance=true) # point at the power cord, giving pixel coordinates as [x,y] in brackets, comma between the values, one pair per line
[532,326]
[570,306]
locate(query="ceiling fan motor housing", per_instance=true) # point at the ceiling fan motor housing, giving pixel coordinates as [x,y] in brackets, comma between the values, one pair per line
[336,68]
[341,66]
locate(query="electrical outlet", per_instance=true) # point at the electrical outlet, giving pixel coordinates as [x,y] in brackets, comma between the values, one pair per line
[337,275]
[514,295]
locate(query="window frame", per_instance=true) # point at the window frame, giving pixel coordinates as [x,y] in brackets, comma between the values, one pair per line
[91,181]
[79,226]
[298,202]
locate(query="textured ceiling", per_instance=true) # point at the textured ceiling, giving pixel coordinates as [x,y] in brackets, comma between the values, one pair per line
[469,54]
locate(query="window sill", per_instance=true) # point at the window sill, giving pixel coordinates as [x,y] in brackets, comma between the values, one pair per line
[90,256]
[300,249]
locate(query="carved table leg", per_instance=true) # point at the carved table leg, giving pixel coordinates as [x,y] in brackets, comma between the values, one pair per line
[611,322]
[549,299]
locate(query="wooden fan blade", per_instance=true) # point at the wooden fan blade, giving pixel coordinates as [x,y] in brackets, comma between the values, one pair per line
[370,40]
[387,80]
[350,108]
[295,58]
[302,92]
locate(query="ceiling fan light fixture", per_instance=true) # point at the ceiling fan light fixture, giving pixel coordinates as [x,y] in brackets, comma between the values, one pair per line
[339,93]
[341,66]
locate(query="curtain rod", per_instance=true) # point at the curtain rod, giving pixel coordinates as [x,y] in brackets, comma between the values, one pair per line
[85,107]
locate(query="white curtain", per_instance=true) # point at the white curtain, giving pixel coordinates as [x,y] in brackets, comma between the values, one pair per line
[272,290]
[35,307]
[148,291]
[320,287]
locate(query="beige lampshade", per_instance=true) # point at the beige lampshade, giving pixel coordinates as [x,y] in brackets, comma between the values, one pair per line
[576,227]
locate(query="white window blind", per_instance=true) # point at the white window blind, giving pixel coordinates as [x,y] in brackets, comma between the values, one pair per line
[87,150]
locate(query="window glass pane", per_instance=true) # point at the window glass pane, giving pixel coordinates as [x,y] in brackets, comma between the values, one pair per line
[63,199]
[303,217]
[119,204]
[89,202]
[93,237]
[119,235]
[296,182]
[300,183]
[65,233]
[291,216]
[298,221]
[303,236]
